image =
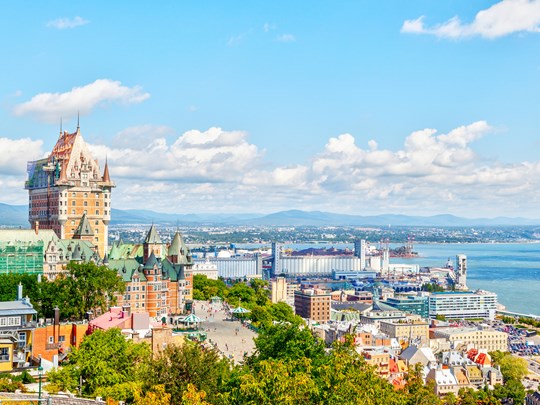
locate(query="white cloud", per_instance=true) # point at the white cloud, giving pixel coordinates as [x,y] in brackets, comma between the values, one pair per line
[52,106]
[215,156]
[221,171]
[140,135]
[65,23]
[15,154]
[286,38]
[503,18]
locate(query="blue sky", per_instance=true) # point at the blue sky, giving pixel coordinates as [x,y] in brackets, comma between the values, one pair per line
[417,107]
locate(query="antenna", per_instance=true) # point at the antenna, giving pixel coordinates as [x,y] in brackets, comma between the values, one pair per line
[78,117]
[60,125]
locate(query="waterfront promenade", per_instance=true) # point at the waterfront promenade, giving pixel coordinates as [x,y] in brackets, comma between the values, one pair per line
[233,339]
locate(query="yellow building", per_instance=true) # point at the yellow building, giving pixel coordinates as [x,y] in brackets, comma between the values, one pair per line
[406,331]
[17,325]
[67,185]
[462,338]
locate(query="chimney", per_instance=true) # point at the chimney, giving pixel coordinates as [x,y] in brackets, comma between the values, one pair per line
[19,292]
[36,227]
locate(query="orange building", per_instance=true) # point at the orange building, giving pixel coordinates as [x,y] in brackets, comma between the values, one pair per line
[68,185]
[51,340]
[158,277]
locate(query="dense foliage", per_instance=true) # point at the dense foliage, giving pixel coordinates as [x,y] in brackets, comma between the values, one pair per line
[85,287]
[105,364]
[289,366]
[253,297]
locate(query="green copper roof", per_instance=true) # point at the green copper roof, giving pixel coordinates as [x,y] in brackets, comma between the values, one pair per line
[173,271]
[127,269]
[152,237]
[84,228]
[179,248]
[151,262]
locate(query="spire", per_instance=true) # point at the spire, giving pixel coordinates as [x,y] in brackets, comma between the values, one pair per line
[60,126]
[106,178]
[78,121]
[152,237]
[84,228]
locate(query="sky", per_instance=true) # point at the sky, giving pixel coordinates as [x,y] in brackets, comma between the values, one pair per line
[357,107]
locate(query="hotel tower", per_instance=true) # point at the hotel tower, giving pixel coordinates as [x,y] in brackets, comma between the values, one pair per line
[69,194]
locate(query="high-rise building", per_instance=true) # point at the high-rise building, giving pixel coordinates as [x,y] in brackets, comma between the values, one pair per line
[461,272]
[69,194]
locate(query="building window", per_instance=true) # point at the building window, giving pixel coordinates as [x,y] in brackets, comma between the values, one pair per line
[73,195]
[97,212]
[97,223]
[97,203]
[51,340]
[73,203]
[85,203]
[72,212]
[84,212]
[97,195]
[61,338]
[4,354]
[85,194]
[72,222]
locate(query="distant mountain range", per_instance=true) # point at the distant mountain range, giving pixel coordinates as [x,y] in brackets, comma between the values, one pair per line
[17,215]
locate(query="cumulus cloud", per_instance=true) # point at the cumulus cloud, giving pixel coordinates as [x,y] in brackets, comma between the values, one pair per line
[503,18]
[15,154]
[214,156]
[51,106]
[221,171]
[140,135]
[66,23]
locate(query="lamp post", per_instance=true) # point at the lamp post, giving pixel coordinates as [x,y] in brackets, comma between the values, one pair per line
[40,374]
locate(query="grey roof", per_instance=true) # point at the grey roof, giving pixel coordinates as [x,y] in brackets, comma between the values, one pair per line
[357,306]
[84,228]
[151,262]
[16,308]
[152,236]
[76,253]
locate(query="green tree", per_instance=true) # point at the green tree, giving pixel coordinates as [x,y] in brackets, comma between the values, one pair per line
[274,382]
[286,341]
[178,366]
[103,360]
[87,287]
[418,392]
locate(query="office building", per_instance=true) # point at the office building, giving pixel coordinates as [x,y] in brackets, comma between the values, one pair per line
[312,304]
[463,305]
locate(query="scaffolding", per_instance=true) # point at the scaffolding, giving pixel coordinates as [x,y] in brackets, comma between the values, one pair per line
[21,257]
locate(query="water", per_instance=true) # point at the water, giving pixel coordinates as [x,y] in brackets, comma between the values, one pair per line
[512,270]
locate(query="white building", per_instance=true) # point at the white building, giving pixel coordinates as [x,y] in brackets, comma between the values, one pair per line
[461,272]
[463,305]
[207,269]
